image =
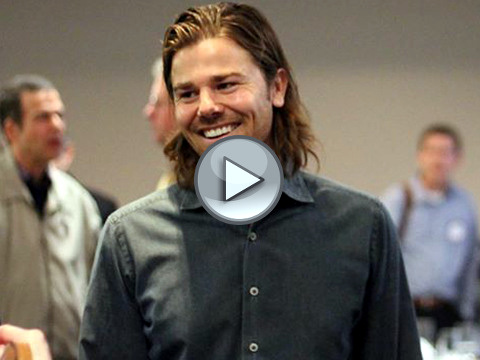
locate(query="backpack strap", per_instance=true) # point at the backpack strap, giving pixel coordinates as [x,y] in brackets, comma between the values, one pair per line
[407,208]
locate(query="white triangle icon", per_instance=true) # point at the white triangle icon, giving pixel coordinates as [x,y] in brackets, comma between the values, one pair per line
[238,179]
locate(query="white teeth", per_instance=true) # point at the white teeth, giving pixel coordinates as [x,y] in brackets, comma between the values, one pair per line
[218,131]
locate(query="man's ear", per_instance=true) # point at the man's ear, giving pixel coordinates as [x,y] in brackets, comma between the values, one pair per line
[11,129]
[459,155]
[279,88]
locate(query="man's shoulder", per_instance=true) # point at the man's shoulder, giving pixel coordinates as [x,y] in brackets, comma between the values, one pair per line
[395,192]
[8,171]
[461,191]
[70,192]
[66,183]
[464,196]
[324,190]
[162,201]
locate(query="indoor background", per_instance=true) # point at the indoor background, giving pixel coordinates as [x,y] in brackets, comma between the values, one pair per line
[373,74]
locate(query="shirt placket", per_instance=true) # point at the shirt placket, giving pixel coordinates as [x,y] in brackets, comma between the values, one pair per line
[251,345]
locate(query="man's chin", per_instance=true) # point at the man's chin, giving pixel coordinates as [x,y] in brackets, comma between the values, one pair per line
[52,155]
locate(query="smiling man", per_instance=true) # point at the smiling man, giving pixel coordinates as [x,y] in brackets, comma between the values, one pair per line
[320,277]
[49,224]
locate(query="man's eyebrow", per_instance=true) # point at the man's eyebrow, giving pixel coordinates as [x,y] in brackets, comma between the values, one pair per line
[221,77]
[60,112]
[216,78]
[184,85]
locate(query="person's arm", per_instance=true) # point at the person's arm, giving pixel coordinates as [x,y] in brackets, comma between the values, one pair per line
[34,338]
[93,223]
[112,326]
[469,282]
[387,327]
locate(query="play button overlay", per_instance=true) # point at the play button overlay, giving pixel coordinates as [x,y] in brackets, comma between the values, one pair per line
[238,180]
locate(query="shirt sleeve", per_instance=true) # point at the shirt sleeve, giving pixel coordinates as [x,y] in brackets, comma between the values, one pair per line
[112,326]
[469,283]
[94,226]
[387,326]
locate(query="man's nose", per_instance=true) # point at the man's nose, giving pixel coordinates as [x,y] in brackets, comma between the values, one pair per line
[58,122]
[208,106]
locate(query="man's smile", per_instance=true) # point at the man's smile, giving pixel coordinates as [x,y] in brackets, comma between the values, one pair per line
[219,130]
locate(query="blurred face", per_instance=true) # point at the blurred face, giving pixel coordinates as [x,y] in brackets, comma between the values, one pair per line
[219,91]
[437,159]
[39,139]
[65,159]
[159,111]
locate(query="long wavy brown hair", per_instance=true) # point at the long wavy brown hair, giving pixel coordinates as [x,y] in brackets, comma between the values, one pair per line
[292,137]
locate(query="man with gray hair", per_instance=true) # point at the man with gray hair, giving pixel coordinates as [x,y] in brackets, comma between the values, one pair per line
[159,108]
[49,224]
[160,112]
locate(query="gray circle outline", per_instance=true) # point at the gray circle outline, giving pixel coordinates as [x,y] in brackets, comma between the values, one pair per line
[252,219]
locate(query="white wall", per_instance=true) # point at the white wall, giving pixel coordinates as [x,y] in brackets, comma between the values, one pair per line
[372,74]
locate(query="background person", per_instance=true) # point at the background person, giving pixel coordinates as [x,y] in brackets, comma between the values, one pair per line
[105,203]
[437,221]
[159,111]
[49,224]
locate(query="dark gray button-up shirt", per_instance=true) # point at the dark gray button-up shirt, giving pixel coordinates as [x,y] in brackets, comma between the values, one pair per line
[321,277]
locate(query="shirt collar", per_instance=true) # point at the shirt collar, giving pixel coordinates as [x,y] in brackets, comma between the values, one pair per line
[28,178]
[188,199]
[24,174]
[428,196]
[293,187]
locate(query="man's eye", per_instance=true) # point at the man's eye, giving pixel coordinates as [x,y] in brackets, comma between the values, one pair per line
[43,117]
[226,85]
[185,95]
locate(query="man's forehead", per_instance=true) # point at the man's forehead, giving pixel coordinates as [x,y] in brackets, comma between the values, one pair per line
[438,138]
[217,56]
[438,142]
[39,98]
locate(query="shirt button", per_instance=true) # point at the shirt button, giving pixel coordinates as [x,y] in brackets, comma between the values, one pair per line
[254,291]
[252,236]
[253,347]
